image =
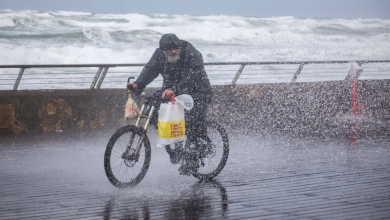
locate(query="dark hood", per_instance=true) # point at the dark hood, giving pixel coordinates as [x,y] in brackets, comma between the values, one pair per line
[170,41]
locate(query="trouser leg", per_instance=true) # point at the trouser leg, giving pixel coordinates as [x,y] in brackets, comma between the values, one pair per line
[196,122]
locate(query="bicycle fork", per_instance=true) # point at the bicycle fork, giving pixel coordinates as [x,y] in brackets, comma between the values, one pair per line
[135,155]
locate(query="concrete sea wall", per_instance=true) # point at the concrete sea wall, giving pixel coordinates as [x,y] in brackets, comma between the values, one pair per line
[321,108]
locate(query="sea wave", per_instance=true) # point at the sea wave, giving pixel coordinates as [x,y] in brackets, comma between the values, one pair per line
[31,37]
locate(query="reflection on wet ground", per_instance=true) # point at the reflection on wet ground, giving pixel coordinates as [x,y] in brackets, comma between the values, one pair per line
[61,176]
[204,200]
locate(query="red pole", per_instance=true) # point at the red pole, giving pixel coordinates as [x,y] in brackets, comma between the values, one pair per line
[354,102]
[354,110]
[354,98]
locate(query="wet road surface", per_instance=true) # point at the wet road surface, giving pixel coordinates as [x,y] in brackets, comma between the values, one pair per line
[61,176]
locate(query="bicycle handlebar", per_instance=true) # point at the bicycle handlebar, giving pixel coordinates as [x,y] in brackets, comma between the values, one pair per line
[131,88]
[154,96]
[157,96]
[128,79]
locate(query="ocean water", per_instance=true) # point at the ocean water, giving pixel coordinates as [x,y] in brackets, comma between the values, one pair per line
[65,37]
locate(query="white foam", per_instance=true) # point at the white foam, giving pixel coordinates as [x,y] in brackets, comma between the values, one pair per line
[71,55]
[69,13]
[65,36]
[6,22]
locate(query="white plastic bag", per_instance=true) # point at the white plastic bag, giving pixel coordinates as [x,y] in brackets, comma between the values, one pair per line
[186,101]
[171,124]
[131,109]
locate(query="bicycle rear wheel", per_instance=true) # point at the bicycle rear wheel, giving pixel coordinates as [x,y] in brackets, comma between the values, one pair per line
[216,152]
[126,170]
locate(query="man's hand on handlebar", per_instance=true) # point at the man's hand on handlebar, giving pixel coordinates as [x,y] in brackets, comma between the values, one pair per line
[167,94]
[132,86]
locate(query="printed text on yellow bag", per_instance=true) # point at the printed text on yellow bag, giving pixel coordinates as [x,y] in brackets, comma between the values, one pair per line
[172,129]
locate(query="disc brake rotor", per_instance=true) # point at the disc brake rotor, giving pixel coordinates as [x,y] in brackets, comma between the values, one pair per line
[131,159]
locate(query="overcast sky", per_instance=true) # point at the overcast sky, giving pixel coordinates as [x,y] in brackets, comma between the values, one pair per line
[258,8]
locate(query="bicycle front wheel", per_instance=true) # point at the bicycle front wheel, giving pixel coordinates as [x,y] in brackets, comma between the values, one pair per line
[123,168]
[216,152]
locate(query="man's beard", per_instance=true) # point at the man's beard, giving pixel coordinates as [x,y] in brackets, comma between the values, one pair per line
[173,59]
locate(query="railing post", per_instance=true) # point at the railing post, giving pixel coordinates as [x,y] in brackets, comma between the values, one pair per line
[355,71]
[19,78]
[102,77]
[238,74]
[96,78]
[297,72]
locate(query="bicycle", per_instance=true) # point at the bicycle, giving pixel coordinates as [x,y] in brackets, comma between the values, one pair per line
[129,152]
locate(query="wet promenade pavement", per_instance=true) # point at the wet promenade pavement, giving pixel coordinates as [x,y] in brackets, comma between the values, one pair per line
[61,176]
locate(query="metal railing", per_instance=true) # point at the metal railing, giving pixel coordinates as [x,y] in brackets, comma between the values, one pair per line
[286,71]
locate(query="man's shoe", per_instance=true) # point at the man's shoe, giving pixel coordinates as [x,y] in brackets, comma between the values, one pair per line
[174,155]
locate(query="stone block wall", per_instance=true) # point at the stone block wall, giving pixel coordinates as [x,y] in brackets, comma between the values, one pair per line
[51,110]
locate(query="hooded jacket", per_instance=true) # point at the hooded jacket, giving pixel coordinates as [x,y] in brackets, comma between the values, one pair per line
[186,76]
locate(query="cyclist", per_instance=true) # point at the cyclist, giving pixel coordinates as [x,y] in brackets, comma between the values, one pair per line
[181,66]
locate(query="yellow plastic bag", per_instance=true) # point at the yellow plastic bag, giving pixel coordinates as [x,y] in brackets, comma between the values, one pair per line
[171,124]
[131,109]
